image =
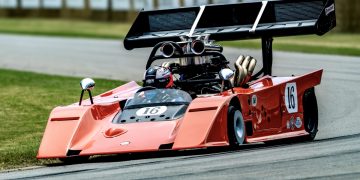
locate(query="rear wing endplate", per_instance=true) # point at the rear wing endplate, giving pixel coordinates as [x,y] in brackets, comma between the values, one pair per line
[233,21]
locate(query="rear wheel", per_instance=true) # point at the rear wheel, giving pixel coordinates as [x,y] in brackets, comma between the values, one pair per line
[236,127]
[310,113]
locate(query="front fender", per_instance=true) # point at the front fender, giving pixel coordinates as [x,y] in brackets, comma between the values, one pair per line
[204,124]
[72,128]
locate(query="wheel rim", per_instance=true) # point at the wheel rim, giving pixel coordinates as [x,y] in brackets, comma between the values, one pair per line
[239,127]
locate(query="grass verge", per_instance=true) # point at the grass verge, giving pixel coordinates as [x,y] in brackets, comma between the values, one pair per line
[26,101]
[331,43]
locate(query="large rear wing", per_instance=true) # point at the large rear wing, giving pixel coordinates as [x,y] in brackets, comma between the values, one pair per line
[233,21]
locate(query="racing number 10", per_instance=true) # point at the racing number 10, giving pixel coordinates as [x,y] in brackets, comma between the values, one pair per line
[151,110]
[291,100]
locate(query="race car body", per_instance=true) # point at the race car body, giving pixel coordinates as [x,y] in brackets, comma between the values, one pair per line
[100,128]
[211,105]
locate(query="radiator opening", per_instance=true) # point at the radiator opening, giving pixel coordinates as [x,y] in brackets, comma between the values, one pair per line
[73,152]
[166,146]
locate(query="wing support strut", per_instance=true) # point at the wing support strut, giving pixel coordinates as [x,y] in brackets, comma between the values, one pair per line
[267,53]
[267,43]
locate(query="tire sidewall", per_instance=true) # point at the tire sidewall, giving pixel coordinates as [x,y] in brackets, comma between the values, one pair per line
[310,113]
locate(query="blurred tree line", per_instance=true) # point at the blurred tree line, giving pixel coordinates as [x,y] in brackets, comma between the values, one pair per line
[347,12]
[348,15]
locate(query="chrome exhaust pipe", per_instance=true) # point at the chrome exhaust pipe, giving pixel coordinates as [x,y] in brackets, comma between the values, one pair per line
[214,47]
[198,47]
[167,50]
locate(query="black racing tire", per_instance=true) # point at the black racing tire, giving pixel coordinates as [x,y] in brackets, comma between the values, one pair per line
[74,159]
[310,114]
[236,127]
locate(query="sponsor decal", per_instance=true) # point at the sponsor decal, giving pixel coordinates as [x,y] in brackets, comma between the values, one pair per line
[254,100]
[151,111]
[330,9]
[298,122]
[288,125]
[125,143]
[294,123]
[150,81]
[291,100]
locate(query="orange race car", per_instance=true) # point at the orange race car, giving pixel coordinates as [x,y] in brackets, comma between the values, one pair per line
[209,104]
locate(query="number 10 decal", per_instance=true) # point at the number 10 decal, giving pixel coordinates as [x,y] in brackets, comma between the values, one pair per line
[151,111]
[291,100]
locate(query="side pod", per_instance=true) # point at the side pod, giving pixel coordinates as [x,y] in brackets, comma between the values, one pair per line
[205,124]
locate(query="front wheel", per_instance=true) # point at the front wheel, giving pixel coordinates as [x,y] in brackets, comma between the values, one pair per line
[236,127]
[310,113]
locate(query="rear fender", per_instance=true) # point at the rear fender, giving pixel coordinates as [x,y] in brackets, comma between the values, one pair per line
[303,83]
[308,81]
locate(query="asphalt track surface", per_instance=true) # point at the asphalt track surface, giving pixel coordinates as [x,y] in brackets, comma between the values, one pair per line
[335,154]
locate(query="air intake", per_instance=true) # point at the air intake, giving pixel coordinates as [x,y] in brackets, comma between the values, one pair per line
[166,146]
[73,152]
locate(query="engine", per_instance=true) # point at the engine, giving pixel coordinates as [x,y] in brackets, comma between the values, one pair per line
[195,61]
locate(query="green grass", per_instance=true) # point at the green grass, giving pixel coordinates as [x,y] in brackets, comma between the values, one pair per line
[26,102]
[331,43]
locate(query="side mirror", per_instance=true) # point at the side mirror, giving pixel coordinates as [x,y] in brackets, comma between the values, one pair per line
[87,84]
[226,75]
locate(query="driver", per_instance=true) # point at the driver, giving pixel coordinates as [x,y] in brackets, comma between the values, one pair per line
[161,78]
[158,77]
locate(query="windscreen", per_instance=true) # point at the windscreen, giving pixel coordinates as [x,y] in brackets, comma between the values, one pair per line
[159,97]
